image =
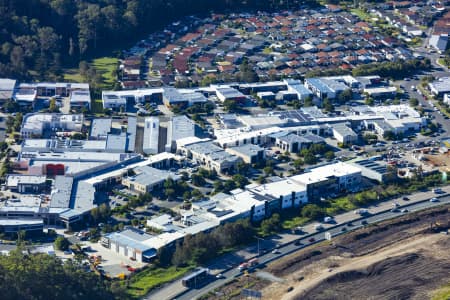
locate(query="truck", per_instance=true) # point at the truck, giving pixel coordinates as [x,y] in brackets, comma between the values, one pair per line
[245,265]
[196,279]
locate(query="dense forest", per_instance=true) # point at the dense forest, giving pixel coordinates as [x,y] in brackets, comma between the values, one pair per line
[40,37]
[41,276]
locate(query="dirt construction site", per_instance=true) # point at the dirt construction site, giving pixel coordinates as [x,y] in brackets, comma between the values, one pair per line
[404,258]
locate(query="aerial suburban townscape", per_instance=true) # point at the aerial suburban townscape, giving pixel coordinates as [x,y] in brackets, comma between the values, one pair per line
[227,150]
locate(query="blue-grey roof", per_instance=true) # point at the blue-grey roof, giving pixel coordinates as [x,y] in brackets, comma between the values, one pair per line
[61,193]
[100,128]
[301,89]
[318,84]
[130,238]
[116,142]
[248,149]
[151,176]
[172,95]
[313,138]
[131,132]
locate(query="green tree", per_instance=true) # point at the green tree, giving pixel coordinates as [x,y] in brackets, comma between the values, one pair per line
[310,158]
[230,105]
[240,180]
[312,211]
[413,102]
[197,180]
[61,243]
[389,135]
[329,155]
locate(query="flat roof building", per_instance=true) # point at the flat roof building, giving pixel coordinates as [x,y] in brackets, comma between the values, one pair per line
[26,184]
[100,128]
[130,243]
[151,135]
[440,87]
[249,153]
[344,134]
[7,87]
[41,124]
[179,127]
[147,179]
[80,99]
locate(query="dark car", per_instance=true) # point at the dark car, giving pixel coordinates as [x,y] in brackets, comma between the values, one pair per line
[298,243]
[312,240]
[363,222]
[405,198]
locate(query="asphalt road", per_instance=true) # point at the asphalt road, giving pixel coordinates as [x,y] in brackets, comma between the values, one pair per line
[306,241]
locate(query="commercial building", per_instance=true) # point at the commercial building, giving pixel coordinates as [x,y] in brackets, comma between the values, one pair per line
[147,179]
[36,125]
[381,92]
[80,99]
[344,134]
[296,87]
[78,93]
[100,128]
[258,87]
[29,225]
[151,136]
[179,127]
[224,93]
[329,180]
[249,153]
[289,193]
[325,88]
[376,170]
[211,156]
[440,86]
[172,97]
[26,184]
[7,87]
[439,42]
[294,143]
[129,243]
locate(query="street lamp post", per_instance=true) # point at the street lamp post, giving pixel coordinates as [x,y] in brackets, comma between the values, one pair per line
[258,239]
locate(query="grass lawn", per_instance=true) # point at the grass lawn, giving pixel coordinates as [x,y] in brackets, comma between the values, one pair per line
[151,278]
[295,222]
[361,14]
[104,66]
[72,75]
[442,293]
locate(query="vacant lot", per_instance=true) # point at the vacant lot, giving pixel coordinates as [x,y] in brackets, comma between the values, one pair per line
[405,258]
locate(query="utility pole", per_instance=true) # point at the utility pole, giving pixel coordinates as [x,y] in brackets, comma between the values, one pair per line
[258,239]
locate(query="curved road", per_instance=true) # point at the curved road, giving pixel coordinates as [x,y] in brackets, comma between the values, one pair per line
[305,241]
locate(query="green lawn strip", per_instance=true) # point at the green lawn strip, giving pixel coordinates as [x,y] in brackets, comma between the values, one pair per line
[106,66]
[72,75]
[442,293]
[151,278]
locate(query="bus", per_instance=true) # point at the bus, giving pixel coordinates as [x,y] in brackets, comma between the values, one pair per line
[195,279]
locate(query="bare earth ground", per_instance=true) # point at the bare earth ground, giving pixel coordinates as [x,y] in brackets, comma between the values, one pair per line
[398,259]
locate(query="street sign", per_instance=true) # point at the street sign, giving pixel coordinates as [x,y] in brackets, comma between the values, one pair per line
[328,235]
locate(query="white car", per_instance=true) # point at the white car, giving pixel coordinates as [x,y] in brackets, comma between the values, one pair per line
[434,199]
